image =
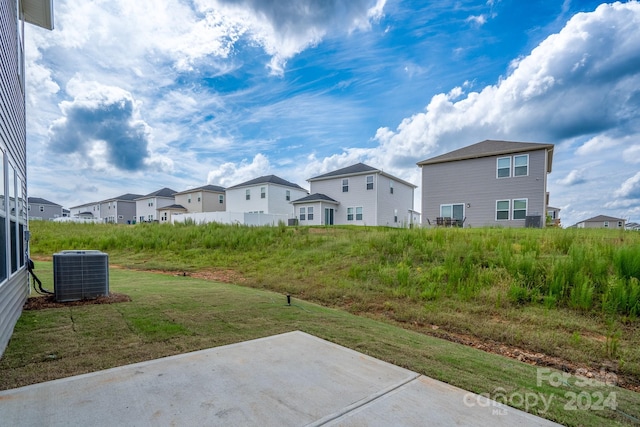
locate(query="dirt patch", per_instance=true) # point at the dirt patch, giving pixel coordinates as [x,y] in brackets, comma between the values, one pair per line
[48,301]
[606,373]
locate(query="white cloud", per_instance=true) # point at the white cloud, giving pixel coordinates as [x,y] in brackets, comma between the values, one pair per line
[632,154]
[576,176]
[630,188]
[230,173]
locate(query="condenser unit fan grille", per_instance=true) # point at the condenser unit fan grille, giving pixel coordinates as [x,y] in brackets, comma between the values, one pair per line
[80,275]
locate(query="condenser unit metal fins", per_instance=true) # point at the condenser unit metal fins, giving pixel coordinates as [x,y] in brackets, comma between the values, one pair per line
[80,275]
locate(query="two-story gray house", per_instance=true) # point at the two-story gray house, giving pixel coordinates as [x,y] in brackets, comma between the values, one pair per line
[14,280]
[358,195]
[119,210]
[43,209]
[491,183]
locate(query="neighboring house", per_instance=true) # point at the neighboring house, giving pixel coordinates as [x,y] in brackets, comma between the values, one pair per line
[147,206]
[14,280]
[86,211]
[602,221]
[42,209]
[553,216]
[632,226]
[316,209]
[166,213]
[209,198]
[491,183]
[360,195]
[119,210]
[267,194]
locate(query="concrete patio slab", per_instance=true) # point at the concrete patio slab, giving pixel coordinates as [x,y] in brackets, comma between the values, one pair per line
[293,379]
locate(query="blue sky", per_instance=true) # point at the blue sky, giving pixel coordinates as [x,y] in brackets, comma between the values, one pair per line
[130,97]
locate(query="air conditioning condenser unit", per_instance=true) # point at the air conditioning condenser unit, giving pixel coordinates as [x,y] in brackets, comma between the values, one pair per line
[80,275]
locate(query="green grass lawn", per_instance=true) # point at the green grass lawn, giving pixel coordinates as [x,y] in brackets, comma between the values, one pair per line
[171,314]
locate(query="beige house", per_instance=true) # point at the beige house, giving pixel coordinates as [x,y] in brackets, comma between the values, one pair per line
[602,221]
[208,198]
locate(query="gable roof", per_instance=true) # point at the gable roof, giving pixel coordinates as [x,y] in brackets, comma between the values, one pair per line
[268,179]
[357,169]
[163,192]
[316,197]
[601,218]
[129,197]
[490,148]
[172,208]
[212,188]
[39,201]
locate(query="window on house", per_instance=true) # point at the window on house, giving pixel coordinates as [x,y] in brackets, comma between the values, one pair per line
[453,210]
[3,231]
[521,165]
[370,182]
[345,185]
[303,216]
[221,198]
[502,210]
[358,214]
[189,199]
[619,224]
[263,192]
[504,167]
[349,214]
[288,195]
[519,209]
[247,194]
[199,198]
[310,213]
[391,187]
[395,216]
[120,217]
[606,224]
[150,218]
[41,208]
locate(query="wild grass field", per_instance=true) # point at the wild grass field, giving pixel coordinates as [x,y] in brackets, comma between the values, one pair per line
[569,299]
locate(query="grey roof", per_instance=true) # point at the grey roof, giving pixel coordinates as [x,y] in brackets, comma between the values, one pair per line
[172,207]
[129,197]
[489,148]
[356,169]
[315,197]
[163,192]
[213,188]
[268,179]
[39,201]
[601,218]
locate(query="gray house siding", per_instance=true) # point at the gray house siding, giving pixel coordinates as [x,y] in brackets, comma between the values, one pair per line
[14,283]
[474,184]
[39,211]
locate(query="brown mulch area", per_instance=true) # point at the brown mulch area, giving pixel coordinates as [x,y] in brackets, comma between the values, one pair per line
[48,301]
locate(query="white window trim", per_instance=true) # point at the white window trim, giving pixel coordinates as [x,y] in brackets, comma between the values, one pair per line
[498,168]
[513,209]
[345,185]
[361,213]
[367,183]
[514,165]
[502,210]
